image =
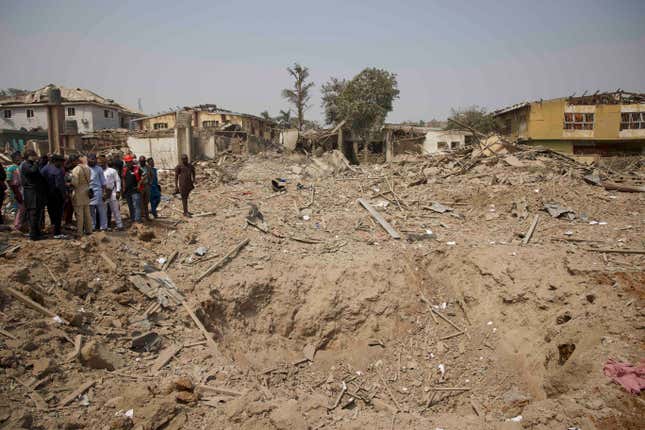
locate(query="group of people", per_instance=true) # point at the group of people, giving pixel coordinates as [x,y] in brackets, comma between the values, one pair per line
[87,188]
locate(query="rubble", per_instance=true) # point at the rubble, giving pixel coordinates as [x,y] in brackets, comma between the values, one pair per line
[481,315]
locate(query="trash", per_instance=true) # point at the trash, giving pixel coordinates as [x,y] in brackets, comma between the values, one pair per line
[568,233]
[631,377]
[439,208]
[519,209]
[129,413]
[201,251]
[451,243]
[442,369]
[161,261]
[557,211]
[146,342]
[85,400]
[279,184]
[516,419]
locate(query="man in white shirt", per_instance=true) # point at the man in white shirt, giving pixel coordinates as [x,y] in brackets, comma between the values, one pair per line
[113,186]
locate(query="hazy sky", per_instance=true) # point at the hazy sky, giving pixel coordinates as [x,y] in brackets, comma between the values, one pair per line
[234,53]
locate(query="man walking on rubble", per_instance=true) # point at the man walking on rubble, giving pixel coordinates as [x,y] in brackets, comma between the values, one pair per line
[55,180]
[81,192]
[184,181]
[34,193]
[130,187]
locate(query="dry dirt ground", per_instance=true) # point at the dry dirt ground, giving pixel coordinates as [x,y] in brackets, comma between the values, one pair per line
[324,321]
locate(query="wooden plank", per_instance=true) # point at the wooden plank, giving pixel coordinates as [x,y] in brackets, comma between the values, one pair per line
[616,250]
[207,335]
[9,250]
[108,261]
[78,392]
[378,217]
[27,301]
[169,261]
[529,234]
[223,260]
[6,333]
[78,342]
[218,390]
[165,356]
[609,186]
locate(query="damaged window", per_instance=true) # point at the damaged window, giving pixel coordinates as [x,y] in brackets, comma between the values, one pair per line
[442,145]
[160,125]
[7,113]
[71,111]
[454,145]
[207,124]
[30,113]
[632,121]
[578,121]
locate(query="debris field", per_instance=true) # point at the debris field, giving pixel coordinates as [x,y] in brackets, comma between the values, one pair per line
[456,291]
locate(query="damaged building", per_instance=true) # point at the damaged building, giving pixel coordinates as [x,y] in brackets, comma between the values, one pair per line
[602,123]
[58,118]
[200,131]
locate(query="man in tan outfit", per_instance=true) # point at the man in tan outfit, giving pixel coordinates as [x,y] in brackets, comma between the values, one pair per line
[81,175]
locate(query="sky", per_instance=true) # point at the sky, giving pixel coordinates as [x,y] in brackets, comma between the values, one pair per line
[446,54]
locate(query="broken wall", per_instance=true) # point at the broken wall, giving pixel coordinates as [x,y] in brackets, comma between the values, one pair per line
[162,146]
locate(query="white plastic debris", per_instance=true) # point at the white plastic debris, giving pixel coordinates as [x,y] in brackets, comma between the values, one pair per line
[602,223]
[489,323]
[85,401]
[129,413]
[593,222]
[201,251]
[516,419]
[161,260]
[568,233]
[442,369]
[305,217]
[451,243]
[57,319]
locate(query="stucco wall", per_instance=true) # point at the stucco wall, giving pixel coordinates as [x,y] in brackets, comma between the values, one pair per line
[453,139]
[100,122]
[19,118]
[546,120]
[162,149]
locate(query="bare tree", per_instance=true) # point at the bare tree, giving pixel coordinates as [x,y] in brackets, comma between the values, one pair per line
[299,95]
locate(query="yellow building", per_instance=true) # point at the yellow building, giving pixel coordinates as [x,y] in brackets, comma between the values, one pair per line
[211,117]
[605,124]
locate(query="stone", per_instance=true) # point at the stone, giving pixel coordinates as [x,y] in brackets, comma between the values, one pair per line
[184,384]
[41,367]
[97,356]
[185,397]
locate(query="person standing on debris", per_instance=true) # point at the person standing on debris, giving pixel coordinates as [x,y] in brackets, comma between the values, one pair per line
[113,186]
[15,192]
[81,175]
[130,188]
[155,188]
[55,180]
[34,192]
[97,185]
[184,181]
[144,187]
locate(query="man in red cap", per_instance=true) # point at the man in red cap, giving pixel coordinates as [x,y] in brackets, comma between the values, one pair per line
[130,188]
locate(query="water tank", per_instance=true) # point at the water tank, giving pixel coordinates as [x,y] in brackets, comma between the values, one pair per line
[54,96]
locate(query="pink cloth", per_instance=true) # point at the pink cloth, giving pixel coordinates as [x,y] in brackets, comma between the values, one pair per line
[631,377]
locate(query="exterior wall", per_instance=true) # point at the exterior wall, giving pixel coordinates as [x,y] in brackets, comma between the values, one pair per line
[83,115]
[546,122]
[19,118]
[163,148]
[89,117]
[515,123]
[253,126]
[148,123]
[16,140]
[453,140]
[100,122]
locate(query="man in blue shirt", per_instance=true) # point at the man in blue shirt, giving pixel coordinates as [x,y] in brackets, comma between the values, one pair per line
[97,185]
[55,179]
